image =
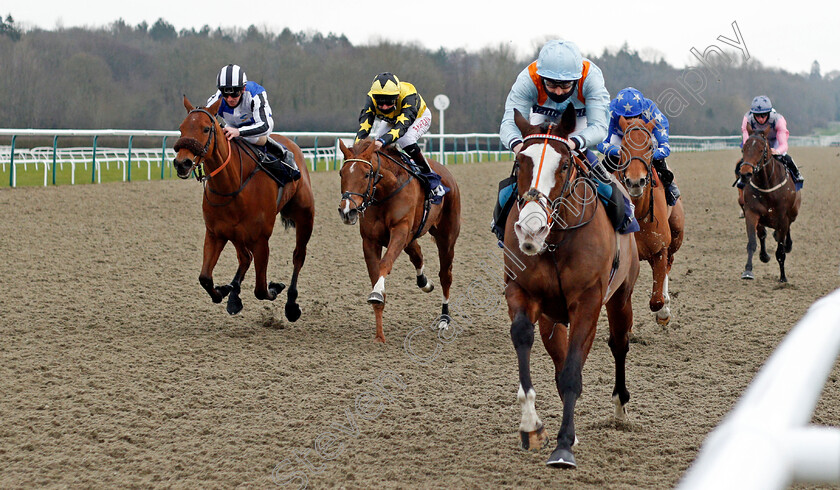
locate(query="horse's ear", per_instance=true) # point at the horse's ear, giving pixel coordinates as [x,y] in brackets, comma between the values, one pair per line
[622,123]
[347,153]
[568,120]
[214,108]
[187,104]
[650,125]
[749,130]
[766,131]
[521,122]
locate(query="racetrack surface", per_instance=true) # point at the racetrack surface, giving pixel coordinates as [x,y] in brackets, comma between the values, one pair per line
[117,370]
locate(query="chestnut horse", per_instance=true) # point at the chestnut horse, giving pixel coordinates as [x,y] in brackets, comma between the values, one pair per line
[378,191]
[661,226]
[564,261]
[770,200]
[240,205]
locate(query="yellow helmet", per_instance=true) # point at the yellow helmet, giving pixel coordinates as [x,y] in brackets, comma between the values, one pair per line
[385,89]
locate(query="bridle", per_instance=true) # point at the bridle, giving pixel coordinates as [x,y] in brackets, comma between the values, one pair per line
[374,176]
[549,206]
[756,167]
[647,162]
[198,165]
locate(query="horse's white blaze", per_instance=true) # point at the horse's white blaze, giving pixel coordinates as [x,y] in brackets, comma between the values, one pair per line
[346,209]
[532,225]
[379,287]
[530,420]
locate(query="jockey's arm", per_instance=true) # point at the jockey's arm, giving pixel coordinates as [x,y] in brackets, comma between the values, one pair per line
[606,147]
[261,113]
[744,133]
[660,132]
[366,118]
[523,94]
[597,108]
[407,116]
[782,134]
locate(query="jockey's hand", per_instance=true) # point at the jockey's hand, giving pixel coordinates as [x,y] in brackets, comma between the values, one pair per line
[230,132]
[516,148]
[774,151]
[378,144]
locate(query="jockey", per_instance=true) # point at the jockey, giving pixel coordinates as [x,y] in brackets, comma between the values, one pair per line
[630,103]
[395,112]
[560,76]
[760,116]
[246,112]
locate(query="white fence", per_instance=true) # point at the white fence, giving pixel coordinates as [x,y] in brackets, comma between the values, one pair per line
[766,442]
[320,150]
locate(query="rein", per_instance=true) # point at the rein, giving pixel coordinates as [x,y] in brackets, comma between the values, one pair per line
[368,198]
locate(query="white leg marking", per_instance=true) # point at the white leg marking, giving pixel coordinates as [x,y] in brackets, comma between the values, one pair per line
[530,419]
[620,410]
[665,311]
[420,270]
[379,287]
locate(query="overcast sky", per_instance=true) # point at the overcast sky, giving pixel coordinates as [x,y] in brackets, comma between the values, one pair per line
[788,35]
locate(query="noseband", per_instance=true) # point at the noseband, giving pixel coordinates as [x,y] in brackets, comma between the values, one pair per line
[645,162]
[370,189]
[192,143]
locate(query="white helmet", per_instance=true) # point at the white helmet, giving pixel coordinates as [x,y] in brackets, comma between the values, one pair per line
[560,60]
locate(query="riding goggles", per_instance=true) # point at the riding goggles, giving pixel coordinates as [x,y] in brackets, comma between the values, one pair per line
[555,84]
[231,91]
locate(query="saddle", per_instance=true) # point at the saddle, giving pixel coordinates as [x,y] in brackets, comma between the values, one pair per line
[272,163]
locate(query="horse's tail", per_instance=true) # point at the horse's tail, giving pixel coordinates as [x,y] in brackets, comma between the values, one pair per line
[287,223]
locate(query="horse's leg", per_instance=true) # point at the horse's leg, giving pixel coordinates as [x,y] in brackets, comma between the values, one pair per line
[245,257]
[762,235]
[397,243]
[416,257]
[659,265]
[750,220]
[261,289]
[780,252]
[620,316]
[213,247]
[555,337]
[788,243]
[373,253]
[583,317]
[531,431]
[303,231]
[446,253]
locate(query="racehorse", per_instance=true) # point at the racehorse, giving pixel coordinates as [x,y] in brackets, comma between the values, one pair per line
[770,200]
[240,205]
[563,261]
[661,227]
[379,192]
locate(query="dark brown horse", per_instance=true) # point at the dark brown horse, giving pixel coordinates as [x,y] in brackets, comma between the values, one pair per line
[661,226]
[770,200]
[378,191]
[240,204]
[564,261]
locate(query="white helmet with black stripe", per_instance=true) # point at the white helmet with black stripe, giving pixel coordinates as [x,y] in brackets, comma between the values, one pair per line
[231,76]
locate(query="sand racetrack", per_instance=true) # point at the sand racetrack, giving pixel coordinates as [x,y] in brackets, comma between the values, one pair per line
[116,370]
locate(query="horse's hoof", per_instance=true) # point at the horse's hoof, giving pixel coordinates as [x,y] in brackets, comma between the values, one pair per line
[443,322]
[783,279]
[534,440]
[234,305]
[223,292]
[747,275]
[292,312]
[764,258]
[663,321]
[620,410]
[376,299]
[379,339]
[425,284]
[561,458]
[276,287]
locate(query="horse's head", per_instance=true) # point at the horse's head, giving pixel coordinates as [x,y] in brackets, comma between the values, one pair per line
[358,179]
[755,153]
[636,154]
[198,132]
[545,174]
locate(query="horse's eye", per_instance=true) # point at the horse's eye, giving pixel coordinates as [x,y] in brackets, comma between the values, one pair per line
[207,129]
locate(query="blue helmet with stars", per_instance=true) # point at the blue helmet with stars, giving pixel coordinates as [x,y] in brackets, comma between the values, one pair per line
[761,105]
[628,103]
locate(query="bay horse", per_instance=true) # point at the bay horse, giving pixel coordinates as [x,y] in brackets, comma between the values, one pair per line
[240,204]
[661,226]
[572,262]
[770,200]
[378,191]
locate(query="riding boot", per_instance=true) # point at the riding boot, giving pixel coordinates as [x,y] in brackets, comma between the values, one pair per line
[794,171]
[283,154]
[610,163]
[417,155]
[667,178]
[599,171]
